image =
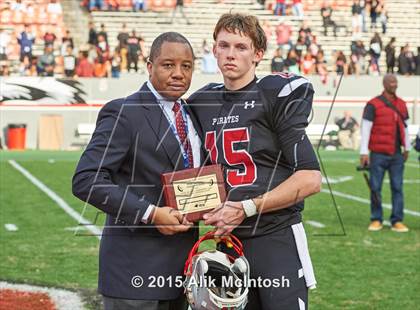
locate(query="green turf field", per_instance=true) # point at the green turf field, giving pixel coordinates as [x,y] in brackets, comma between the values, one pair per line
[355,269]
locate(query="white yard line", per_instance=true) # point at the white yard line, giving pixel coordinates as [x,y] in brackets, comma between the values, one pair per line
[366,201]
[62,299]
[412,165]
[407,181]
[315,224]
[11,227]
[61,203]
[335,180]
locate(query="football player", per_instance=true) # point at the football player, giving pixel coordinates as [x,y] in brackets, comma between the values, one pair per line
[255,128]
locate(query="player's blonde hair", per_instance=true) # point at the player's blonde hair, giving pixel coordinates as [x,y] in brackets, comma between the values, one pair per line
[246,25]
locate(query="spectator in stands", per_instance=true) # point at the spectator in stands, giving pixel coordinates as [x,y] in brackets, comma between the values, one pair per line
[406,61]
[208,62]
[304,37]
[321,67]
[327,21]
[103,33]
[139,5]
[358,52]
[113,5]
[4,68]
[280,8]
[314,47]
[96,5]
[102,49]
[18,6]
[67,40]
[373,13]
[30,17]
[307,30]
[348,131]
[25,67]
[352,68]
[260,2]
[4,44]
[300,46]
[93,35]
[69,62]
[49,37]
[390,55]
[84,67]
[122,45]
[179,6]
[277,62]
[54,7]
[134,50]
[46,62]
[340,63]
[101,67]
[382,12]
[283,34]
[356,11]
[33,70]
[375,49]
[297,8]
[26,41]
[385,135]
[292,62]
[417,61]
[116,63]
[307,64]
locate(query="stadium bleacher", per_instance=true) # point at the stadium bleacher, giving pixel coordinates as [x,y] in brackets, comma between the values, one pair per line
[403,23]
[39,15]
[204,13]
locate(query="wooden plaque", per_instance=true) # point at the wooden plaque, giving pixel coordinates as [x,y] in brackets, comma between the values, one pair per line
[194,191]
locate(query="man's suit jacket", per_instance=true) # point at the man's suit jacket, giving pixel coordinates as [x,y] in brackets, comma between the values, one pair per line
[120,174]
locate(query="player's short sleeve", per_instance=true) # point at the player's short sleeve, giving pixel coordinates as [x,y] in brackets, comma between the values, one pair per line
[290,112]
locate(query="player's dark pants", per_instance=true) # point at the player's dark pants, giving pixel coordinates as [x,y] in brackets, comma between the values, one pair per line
[275,256]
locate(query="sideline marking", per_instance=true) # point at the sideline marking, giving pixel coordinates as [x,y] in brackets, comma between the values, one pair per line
[407,181]
[366,201]
[11,227]
[315,224]
[61,203]
[333,180]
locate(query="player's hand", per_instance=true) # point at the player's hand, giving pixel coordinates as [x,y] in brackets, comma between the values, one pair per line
[226,217]
[170,221]
[405,155]
[364,160]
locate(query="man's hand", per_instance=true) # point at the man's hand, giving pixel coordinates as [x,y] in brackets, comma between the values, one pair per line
[170,221]
[364,160]
[226,217]
[405,155]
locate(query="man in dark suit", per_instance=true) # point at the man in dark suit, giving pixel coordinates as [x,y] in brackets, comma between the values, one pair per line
[144,243]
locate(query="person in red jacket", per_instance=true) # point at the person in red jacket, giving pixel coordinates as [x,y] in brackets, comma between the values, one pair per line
[84,68]
[385,134]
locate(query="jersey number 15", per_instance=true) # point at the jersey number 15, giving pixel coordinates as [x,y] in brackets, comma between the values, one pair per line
[233,157]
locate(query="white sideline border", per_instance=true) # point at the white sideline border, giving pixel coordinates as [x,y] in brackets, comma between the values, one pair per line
[60,201]
[366,201]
